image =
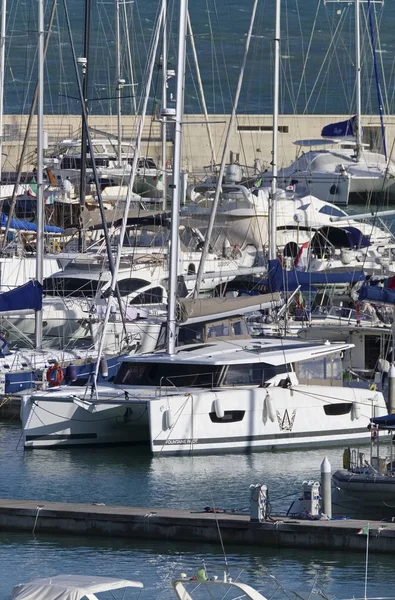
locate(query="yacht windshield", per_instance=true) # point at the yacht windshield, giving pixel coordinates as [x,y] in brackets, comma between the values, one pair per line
[193,375]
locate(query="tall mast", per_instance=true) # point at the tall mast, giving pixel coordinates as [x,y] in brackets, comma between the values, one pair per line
[85,86]
[358,78]
[40,167]
[119,82]
[164,103]
[273,195]
[2,64]
[218,189]
[176,186]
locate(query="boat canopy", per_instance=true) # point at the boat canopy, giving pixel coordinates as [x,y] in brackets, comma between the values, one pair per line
[27,226]
[281,280]
[25,297]
[69,587]
[192,311]
[341,129]
[386,422]
[375,293]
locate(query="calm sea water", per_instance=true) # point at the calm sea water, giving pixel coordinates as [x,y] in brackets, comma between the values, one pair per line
[317,55]
[129,477]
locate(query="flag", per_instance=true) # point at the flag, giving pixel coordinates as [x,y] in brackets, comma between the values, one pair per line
[200,575]
[364,530]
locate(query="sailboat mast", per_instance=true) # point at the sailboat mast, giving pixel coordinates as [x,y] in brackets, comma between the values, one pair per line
[164,103]
[272,203]
[85,86]
[358,78]
[119,83]
[176,186]
[40,167]
[2,74]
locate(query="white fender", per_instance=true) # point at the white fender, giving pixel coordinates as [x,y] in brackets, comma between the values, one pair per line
[355,411]
[218,409]
[271,413]
[168,418]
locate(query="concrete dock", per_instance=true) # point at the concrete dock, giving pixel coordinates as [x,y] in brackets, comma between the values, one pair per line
[182,525]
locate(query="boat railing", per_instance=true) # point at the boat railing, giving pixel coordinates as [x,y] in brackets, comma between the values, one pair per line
[166,382]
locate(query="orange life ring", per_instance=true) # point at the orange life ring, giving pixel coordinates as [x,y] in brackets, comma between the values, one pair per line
[55,376]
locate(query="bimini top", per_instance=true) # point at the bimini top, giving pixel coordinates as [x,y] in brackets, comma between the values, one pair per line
[69,587]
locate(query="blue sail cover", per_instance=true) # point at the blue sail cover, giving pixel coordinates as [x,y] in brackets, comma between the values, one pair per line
[24,297]
[385,422]
[27,226]
[341,129]
[280,280]
[374,293]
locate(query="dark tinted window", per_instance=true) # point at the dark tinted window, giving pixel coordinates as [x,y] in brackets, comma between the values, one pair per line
[334,410]
[230,416]
[152,296]
[70,286]
[127,286]
[170,374]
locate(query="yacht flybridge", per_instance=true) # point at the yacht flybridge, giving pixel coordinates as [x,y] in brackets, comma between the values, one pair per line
[233,394]
[66,163]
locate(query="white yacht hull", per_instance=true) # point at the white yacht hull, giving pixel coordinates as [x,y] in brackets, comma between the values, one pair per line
[254,418]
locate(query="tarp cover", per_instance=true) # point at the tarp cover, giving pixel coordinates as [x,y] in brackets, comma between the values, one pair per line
[280,280]
[375,293]
[27,226]
[69,587]
[24,297]
[219,307]
[341,129]
[385,422]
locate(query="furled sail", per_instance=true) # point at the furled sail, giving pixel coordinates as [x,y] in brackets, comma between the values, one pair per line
[25,297]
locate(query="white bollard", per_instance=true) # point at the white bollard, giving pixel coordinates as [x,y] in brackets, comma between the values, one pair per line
[326,487]
[258,503]
[391,390]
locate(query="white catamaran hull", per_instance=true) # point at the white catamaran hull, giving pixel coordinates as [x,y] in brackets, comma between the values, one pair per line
[202,421]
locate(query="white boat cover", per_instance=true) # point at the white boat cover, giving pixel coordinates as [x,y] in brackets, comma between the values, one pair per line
[69,587]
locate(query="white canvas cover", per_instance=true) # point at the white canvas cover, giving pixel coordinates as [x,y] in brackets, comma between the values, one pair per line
[69,587]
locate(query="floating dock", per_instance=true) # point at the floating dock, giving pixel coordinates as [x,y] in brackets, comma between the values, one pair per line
[191,526]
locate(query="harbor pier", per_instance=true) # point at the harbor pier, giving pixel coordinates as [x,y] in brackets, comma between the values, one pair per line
[250,141]
[192,526]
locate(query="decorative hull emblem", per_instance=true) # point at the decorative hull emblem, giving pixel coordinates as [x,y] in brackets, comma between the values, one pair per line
[285,421]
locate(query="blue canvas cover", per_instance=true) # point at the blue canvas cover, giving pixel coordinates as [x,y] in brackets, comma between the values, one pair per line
[385,422]
[27,225]
[24,297]
[374,293]
[341,129]
[280,280]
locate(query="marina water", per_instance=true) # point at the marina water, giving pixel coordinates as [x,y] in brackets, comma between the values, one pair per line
[130,476]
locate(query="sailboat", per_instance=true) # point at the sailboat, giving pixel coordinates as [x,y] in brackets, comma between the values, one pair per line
[340,164]
[227,393]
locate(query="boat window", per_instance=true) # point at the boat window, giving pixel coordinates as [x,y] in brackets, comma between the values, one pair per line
[251,374]
[324,368]
[71,286]
[151,296]
[127,286]
[146,236]
[230,416]
[332,211]
[304,207]
[340,408]
[168,374]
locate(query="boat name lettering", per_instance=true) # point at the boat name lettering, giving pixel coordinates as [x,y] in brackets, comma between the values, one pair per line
[181,441]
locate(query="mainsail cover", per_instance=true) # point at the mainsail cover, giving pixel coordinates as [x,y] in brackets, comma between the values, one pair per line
[281,280]
[25,297]
[341,129]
